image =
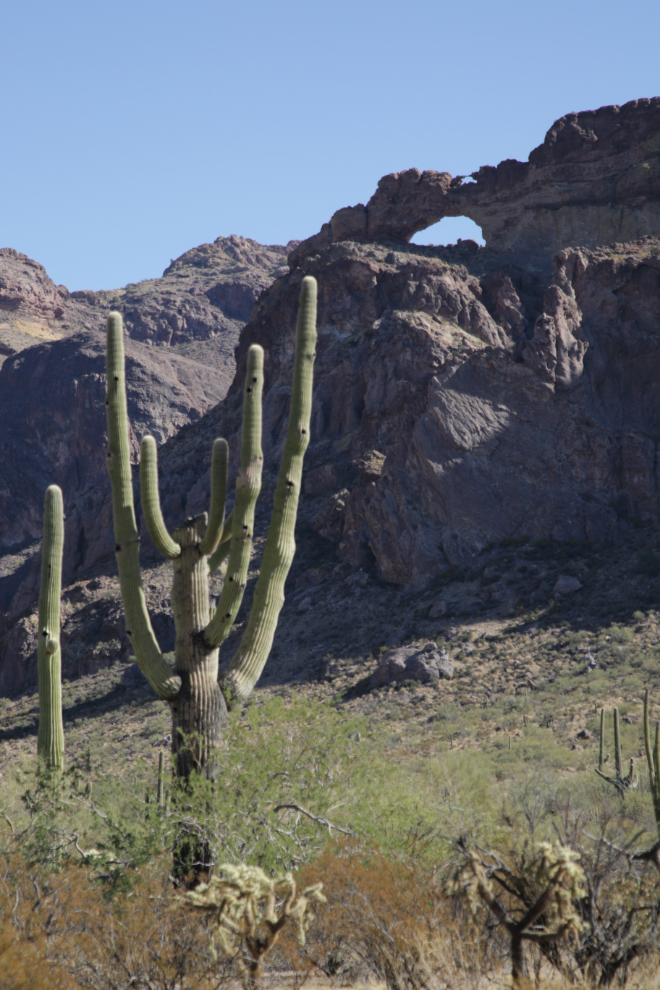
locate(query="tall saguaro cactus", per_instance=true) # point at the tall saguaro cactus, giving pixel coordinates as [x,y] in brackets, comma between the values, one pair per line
[652,759]
[198,546]
[50,740]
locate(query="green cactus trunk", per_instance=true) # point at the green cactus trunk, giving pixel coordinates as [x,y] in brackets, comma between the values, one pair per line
[197,700]
[199,709]
[50,740]
[652,760]
[160,788]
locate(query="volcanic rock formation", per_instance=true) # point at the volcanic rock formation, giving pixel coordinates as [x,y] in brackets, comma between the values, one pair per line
[594,180]
[463,396]
[52,392]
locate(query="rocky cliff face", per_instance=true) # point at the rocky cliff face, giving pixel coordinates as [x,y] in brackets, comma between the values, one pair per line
[594,180]
[464,395]
[448,415]
[52,398]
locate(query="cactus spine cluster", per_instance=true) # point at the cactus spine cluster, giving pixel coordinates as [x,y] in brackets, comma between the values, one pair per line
[50,740]
[621,783]
[197,547]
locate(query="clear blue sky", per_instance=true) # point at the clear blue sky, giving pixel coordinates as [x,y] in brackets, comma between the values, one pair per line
[132,131]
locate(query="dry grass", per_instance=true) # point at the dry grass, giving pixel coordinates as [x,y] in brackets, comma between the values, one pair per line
[387,924]
[62,930]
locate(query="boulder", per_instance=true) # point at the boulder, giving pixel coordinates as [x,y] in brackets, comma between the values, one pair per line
[566,585]
[412,664]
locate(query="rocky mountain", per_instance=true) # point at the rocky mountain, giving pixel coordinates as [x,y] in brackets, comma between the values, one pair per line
[467,395]
[197,308]
[464,396]
[182,330]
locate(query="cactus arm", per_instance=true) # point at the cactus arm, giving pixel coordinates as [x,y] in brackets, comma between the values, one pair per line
[251,656]
[647,743]
[138,626]
[160,790]
[621,783]
[248,485]
[652,759]
[215,528]
[50,740]
[617,747]
[219,555]
[601,748]
[151,500]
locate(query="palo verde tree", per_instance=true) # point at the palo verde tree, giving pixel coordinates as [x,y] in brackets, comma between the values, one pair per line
[198,546]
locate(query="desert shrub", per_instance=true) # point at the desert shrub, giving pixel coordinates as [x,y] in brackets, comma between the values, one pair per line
[61,930]
[23,961]
[389,919]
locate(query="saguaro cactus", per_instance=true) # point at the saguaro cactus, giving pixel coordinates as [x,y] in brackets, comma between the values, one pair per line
[652,759]
[50,740]
[621,783]
[198,547]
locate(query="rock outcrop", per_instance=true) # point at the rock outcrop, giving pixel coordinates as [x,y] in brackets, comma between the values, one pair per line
[52,382]
[448,414]
[200,303]
[594,180]
[197,307]
[408,663]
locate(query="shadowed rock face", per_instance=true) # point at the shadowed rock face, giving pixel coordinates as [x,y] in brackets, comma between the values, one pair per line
[52,396]
[447,413]
[594,180]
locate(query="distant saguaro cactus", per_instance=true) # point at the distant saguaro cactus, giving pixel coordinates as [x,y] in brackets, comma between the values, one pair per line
[652,759]
[621,783]
[198,546]
[50,740]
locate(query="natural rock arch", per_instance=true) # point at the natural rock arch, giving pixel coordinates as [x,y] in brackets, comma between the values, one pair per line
[595,180]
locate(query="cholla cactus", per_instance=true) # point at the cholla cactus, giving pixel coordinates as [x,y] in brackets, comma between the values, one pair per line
[251,909]
[547,893]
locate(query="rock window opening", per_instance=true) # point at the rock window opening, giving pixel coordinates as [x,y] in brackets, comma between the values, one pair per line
[447,232]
